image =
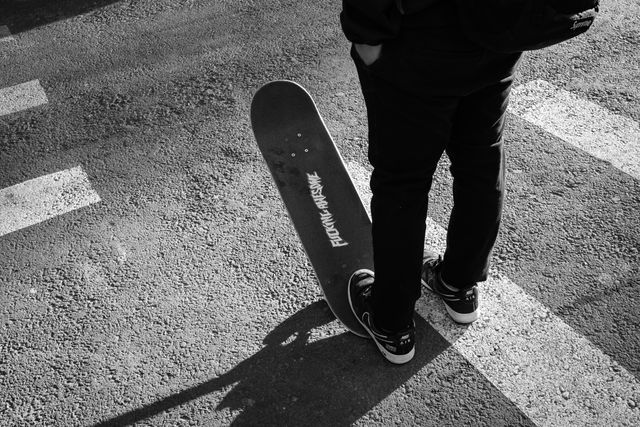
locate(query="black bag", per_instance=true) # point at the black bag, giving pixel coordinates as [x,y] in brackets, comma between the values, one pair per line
[517,25]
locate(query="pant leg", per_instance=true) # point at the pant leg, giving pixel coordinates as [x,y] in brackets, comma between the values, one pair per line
[407,136]
[477,165]
[412,94]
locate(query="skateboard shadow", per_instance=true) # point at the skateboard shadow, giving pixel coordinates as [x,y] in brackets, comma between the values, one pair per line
[23,15]
[296,381]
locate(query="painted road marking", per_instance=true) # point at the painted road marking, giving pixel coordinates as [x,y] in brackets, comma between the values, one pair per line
[21,97]
[39,199]
[553,374]
[5,34]
[607,136]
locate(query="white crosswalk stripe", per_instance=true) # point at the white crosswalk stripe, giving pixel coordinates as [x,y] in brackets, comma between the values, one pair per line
[40,199]
[22,97]
[553,374]
[590,127]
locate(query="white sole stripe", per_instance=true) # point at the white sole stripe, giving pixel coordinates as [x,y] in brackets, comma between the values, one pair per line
[21,97]
[40,199]
[588,126]
[551,373]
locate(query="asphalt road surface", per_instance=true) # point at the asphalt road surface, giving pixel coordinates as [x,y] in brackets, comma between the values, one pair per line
[149,274]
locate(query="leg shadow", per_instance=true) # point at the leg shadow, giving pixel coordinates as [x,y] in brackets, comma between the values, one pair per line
[295,381]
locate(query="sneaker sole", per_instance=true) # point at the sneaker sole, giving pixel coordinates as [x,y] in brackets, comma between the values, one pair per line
[457,317]
[393,358]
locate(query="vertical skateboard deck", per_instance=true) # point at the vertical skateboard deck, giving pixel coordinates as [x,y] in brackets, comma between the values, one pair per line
[316,189]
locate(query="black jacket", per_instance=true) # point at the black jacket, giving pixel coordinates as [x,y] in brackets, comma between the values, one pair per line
[374,21]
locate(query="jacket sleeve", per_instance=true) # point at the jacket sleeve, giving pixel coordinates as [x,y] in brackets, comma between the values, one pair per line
[370,21]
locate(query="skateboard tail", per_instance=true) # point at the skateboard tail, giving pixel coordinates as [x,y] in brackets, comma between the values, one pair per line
[352,327]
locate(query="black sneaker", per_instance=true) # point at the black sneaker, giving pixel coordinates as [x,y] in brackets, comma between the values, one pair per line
[396,347]
[462,304]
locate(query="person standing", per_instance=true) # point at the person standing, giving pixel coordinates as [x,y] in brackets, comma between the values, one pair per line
[428,89]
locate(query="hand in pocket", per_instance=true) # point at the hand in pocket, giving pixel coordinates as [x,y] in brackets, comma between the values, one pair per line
[369,54]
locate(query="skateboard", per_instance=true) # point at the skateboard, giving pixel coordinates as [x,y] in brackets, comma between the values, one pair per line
[317,191]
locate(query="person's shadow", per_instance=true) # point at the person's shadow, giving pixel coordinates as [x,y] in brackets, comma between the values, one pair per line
[295,381]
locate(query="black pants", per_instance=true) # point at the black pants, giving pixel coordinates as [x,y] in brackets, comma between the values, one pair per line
[433,91]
